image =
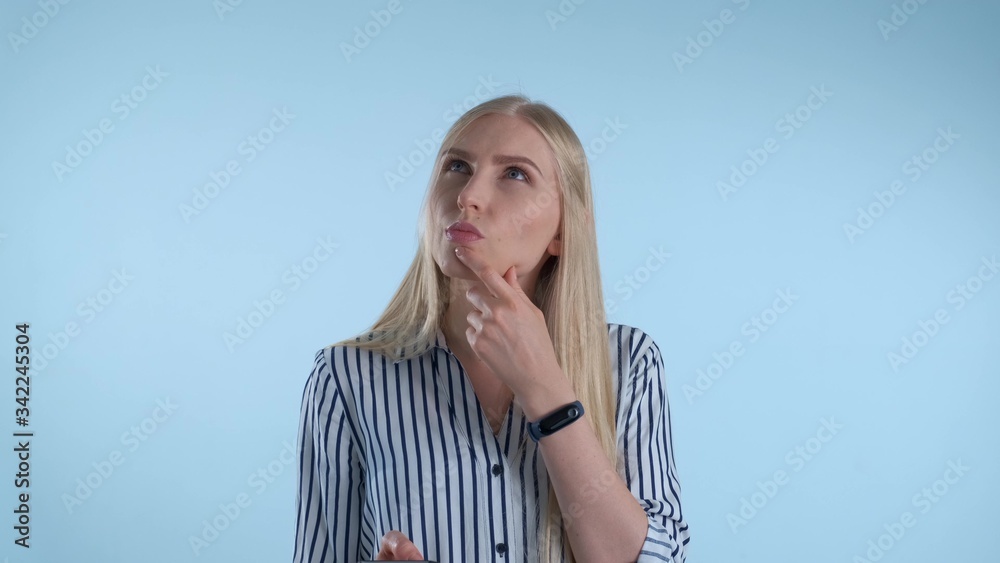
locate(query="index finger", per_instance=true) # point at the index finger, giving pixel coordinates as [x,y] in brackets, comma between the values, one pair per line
[490,277]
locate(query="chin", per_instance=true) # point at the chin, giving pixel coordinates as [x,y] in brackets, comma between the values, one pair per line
[454,268]
[460,274]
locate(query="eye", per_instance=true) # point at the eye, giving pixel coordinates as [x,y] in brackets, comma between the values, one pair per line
[520,174]
[519,171]
[448,165]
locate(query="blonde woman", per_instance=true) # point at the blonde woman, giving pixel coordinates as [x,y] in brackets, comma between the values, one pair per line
[491,413]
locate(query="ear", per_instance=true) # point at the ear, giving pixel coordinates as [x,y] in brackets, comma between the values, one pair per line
[555,247]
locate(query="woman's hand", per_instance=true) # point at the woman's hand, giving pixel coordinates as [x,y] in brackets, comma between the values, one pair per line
[506,330]
[395,546]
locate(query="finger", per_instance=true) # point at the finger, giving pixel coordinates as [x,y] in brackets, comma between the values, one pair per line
[397,547]
[470,337]
[475,297]
[511,278]
[475,319]
[493,281]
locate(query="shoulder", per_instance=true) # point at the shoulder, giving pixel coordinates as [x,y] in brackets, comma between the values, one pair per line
[631,344]
[348,360]
[345,352]
[639,376]
[338,370]
[329,392]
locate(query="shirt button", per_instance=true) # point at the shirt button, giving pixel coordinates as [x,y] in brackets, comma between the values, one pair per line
[497,470]
[501,548]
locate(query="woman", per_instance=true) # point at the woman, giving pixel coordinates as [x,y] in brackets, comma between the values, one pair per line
[450,430]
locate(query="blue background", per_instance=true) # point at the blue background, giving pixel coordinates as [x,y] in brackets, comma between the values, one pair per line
[360,115]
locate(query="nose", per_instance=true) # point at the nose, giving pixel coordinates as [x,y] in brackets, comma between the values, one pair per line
[474,193]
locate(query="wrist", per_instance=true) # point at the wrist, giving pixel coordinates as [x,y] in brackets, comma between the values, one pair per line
[543,399]
[555,421]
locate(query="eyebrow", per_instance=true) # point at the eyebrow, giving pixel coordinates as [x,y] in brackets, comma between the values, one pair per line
[499,159]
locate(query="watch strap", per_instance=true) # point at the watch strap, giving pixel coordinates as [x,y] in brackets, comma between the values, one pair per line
[557,419]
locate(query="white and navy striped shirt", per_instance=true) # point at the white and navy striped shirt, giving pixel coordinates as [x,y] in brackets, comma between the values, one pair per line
[407,446]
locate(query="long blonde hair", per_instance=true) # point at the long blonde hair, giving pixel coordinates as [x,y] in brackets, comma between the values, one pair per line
[568,292]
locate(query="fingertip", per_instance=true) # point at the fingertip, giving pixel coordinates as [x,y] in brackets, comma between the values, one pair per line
[391,540]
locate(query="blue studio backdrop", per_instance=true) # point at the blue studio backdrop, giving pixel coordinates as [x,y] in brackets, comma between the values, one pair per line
[797,200]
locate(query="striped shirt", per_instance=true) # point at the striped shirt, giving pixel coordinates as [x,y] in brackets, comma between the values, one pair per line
[407,446]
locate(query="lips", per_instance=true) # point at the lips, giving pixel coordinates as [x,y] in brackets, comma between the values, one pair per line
[463,231]
[464,226]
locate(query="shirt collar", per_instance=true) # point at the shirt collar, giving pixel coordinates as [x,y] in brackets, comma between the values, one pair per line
[439,342]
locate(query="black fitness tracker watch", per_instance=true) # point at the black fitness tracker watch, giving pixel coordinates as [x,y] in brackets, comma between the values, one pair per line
[557,419]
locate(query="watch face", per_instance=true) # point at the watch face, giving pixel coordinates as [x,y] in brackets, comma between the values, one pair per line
[553,422]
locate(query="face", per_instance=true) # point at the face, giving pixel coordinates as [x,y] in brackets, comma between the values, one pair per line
[500,176]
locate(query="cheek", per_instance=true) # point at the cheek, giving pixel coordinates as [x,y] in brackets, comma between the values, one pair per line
[437,212]
[535,217]
[525,230]
[442,202]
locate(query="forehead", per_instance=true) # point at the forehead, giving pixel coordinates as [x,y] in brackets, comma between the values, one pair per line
[510,136]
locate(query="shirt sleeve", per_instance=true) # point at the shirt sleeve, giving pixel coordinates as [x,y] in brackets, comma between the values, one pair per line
[649,460]
[330,488]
